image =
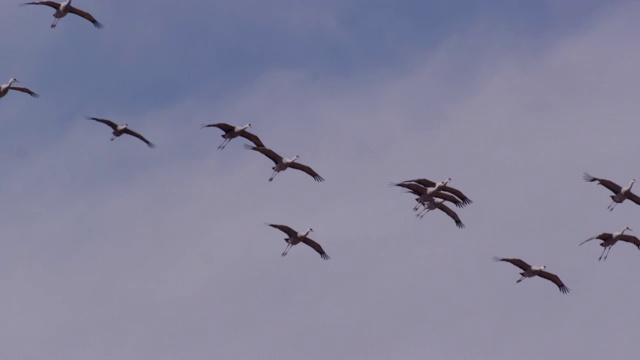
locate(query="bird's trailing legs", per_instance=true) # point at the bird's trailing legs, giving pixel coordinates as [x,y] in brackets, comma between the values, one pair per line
[613,204]
[424,212]
[224,143]
[275,172]
[55,22]
[286,250]
[607,249]
[522,278]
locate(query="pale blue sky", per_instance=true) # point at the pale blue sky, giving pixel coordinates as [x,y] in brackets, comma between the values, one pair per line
[111,250]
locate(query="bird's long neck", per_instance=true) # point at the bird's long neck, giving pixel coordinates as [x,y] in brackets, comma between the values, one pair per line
[441,184]
[630,185]
[11,81]
[307,232]
[623,230]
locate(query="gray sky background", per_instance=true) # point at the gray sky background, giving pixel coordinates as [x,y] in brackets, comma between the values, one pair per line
[115,251]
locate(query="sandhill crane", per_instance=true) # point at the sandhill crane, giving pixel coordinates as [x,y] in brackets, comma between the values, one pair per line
[439,204]
[62,9]
[426,194]
[610,239]
[444,188]
[119,129]
[283,163]
[531,271]
[620,194]
[4,89]
[294,238]
[231,132]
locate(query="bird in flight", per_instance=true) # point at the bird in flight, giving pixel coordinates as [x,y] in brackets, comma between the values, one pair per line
[62,9]
[120,129]
[531,271]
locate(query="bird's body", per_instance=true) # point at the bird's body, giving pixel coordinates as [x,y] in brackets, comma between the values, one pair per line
[620,194]
[121,129]
[610,239]
[282,163]
[529,271]
[4,89]
[232,132]
[294,238]
[439,204]
[63,9]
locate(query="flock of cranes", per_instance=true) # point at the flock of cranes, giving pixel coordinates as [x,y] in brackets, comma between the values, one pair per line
[430,195]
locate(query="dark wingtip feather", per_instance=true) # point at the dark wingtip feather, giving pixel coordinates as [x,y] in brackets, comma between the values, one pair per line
[249,147]
[325,256]
[318,178]
[588,177]
[495,258]
[98,25]
[460,224]
[564,289]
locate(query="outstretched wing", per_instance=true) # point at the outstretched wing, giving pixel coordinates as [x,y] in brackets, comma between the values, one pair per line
[285,229]
[85,15]
[308,170]
[109,123]
[424,182]
[615,188]
[414,188]
[222,126]
[133,133]
[452,214]
[633,197]
[517,262]
[448,197]
[24,90]
[554,279]
[458,193]
[315,247]
[266,152]
[52,4]
[630,239]
[251,137]
[603,237]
